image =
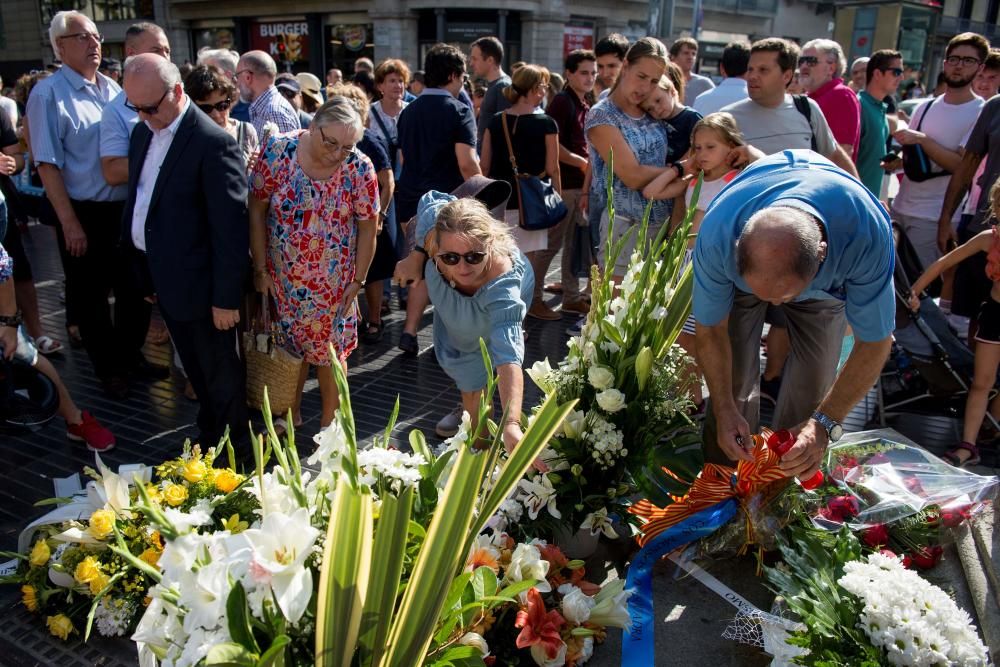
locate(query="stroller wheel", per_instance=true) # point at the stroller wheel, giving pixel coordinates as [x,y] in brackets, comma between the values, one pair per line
[27,398]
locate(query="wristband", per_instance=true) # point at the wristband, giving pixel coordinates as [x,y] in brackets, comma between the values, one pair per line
[420,248]
[13,321]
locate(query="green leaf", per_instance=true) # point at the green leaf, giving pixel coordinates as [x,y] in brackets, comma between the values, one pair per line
[239,619]
[275,655]
[230,654]
[97,601]
[484,582]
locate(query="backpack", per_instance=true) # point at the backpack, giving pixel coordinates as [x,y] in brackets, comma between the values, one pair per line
[802,105]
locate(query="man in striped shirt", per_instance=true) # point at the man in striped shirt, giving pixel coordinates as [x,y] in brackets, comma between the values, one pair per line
[255,76]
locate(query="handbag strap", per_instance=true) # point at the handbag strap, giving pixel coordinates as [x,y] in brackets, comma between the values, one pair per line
[510,147]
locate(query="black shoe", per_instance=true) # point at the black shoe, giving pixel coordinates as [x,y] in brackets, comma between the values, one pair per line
[116,387]
[147,370]
[408,344]
[769,389]
[372,332]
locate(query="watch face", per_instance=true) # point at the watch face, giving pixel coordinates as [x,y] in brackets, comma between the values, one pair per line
[836,433]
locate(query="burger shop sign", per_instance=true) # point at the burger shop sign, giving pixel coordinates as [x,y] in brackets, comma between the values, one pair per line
[284,41]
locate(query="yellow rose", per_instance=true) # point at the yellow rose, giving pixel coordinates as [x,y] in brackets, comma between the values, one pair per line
[40,554]
[87,570]
[175,494]
[60,626]
[154,493]
[156,540]
[98,583]
[194,471]
[29,596]
[150,556]
[226,480]
[102,523]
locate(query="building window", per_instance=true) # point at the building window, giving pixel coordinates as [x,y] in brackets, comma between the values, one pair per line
[99,10]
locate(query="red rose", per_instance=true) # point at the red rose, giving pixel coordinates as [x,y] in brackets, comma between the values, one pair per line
[842,508]
[907,561]
[875,459]
[925,558]
[913,485]
[875,536]
[954,516]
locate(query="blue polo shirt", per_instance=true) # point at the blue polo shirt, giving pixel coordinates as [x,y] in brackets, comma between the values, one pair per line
[860,255]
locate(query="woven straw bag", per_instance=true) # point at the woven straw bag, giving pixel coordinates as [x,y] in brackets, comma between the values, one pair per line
[268,364]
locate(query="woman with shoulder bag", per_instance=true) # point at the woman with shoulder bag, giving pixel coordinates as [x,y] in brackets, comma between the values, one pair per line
[534,138]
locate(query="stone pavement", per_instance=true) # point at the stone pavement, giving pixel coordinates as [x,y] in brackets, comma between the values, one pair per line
[152,423]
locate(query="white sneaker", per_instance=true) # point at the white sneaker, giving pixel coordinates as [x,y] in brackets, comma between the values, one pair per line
[450,423]
[960,325]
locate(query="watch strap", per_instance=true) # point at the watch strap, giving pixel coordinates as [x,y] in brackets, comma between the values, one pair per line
[827,422]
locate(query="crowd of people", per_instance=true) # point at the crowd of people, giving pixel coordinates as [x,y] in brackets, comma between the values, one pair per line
[225,187]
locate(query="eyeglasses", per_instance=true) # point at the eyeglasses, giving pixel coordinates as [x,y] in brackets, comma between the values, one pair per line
[333,145]
[453,258]
[241,71]
[150,110]
[218,106]
[812,61]
[896,71]
[287,94]
[962,60]
[84,37]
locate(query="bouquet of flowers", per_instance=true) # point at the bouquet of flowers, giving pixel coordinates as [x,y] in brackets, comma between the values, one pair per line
[630,382]
[556,618]
[867,610]
[97,569]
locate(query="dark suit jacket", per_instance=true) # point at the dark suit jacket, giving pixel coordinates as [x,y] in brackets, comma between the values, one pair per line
[197,229]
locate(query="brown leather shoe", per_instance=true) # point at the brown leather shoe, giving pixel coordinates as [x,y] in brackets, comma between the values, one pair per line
[578,306]
[540,311]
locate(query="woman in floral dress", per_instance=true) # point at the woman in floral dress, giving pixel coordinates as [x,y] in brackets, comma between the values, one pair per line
[313,209]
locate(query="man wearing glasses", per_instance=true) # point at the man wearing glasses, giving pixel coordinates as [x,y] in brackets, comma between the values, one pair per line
[64,112]
[883,74]
[255,75]
[187,233]
[821,68]
[940,127]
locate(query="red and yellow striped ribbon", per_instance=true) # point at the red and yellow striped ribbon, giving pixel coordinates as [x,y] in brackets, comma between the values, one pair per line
[713,485]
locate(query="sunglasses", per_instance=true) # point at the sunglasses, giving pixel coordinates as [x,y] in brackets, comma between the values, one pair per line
[453,258]
[896,71]
[218,106]
[808,60]
[150,110]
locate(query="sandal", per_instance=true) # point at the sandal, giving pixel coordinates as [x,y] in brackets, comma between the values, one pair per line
[372,333]
[952,457]
[47,345]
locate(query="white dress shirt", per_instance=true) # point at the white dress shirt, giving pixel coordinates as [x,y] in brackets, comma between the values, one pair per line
[730,90]
[159,145]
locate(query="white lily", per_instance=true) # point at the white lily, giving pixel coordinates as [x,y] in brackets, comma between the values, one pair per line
[598,522]
[539,493]
[611,608]
[279,551]
[526,563]
[540,373]
[574,424]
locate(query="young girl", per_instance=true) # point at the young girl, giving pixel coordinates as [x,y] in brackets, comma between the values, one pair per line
[987,338]
[665,105]
[712,139]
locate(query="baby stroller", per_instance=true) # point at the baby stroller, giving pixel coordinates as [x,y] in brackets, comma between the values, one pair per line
[929,369]
[28,399]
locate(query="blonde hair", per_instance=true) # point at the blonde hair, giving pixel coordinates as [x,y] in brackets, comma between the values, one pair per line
[355,95]
[724,124]
[524,81]
[470,219]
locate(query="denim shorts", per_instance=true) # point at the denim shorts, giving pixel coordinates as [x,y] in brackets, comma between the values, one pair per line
[26,351]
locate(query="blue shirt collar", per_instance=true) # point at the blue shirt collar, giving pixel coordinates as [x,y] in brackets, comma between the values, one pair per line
[437,91]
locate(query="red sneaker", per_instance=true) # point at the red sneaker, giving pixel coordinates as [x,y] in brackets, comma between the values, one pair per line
[90,431]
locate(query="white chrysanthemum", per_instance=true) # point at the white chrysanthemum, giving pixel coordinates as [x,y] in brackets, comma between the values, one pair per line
[113,616]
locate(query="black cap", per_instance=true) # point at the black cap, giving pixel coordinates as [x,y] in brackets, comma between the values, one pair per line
[110,64]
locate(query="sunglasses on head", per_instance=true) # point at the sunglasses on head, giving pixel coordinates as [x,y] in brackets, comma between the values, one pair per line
[218,106]
[453,258]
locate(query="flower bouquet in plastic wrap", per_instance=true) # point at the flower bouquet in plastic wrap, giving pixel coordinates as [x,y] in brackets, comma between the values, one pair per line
[896,495]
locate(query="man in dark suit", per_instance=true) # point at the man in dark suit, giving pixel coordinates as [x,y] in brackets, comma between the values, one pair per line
[186,220]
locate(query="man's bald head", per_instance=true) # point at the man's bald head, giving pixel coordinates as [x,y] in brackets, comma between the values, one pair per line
[153,87]
[780,243]
[146,37]
[260,64]
[149,68]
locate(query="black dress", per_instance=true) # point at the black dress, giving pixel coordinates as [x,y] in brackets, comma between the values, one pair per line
[384,262]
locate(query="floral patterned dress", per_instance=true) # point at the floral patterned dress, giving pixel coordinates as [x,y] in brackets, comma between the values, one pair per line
[312,244]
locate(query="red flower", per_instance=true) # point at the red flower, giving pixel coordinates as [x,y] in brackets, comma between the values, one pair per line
[954,516]
[888,552]
[539,627]
[875,536]
[925,558]
[557,559]
[841,508]
[875,459]
[907,561]
[913,485]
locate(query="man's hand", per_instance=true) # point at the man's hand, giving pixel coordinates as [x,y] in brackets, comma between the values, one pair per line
[733,434]
[410,269]
[76,238]
[947,238]
[8,341]
[908,137]
[225,319]
[583,203]
[806,455]
[512,435]
[8,165]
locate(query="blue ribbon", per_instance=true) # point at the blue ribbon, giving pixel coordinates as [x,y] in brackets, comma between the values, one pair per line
[637,642]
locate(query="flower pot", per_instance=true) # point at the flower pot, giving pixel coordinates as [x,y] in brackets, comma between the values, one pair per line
[578,545]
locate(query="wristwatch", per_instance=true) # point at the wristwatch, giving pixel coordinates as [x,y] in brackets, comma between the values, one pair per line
[361,283]
[13,321]
[834,431]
